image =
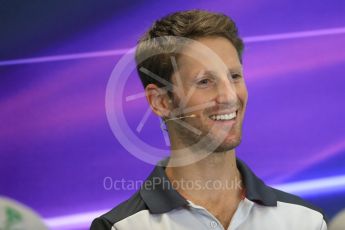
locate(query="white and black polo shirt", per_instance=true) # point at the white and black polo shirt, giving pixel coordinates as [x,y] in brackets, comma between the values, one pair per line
[263,208]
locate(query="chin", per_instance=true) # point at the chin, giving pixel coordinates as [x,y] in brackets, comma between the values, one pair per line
[215,147]
[229,145]
[230,142]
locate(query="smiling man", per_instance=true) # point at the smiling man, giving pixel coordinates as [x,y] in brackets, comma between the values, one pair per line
[190,65]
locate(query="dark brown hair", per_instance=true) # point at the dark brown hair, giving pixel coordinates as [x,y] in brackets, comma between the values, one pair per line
[191,24]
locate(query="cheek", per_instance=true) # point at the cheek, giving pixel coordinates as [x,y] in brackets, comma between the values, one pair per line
[198,99]
[243,94]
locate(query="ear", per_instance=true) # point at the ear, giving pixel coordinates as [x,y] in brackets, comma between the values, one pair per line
[158,100]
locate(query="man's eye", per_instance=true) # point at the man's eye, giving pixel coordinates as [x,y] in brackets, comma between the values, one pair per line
[204,82]
[236,76]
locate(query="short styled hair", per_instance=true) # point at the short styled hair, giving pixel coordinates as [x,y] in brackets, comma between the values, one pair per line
[192,24]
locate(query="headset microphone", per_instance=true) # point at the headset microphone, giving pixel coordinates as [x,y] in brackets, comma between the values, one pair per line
[177,118]
[174,118]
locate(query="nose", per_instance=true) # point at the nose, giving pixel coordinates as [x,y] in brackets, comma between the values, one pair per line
[226,92]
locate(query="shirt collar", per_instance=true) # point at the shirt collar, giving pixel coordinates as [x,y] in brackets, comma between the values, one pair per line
[160,196]
[256,190]
[158,193]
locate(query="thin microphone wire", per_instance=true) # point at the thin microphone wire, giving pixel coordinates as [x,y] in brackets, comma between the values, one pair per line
[177,118]
[172,119]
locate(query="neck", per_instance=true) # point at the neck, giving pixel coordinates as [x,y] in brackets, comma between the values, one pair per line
[216,169]
[212,167]
[219,168]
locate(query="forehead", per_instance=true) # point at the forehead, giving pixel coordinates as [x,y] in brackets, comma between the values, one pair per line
[210,53]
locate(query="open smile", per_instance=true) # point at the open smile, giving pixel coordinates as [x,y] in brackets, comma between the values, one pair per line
[224,116]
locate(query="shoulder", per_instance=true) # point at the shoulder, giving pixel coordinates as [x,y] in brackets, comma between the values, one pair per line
[126,209]
[296,203]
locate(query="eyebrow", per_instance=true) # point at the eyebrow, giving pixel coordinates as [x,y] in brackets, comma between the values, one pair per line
[236,69]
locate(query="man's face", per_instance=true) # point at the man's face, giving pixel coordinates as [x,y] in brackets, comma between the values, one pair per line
[213,90]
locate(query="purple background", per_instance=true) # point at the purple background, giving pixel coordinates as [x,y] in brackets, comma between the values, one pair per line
[56,146]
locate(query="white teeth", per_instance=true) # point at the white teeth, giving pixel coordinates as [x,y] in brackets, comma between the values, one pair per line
[223,117]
